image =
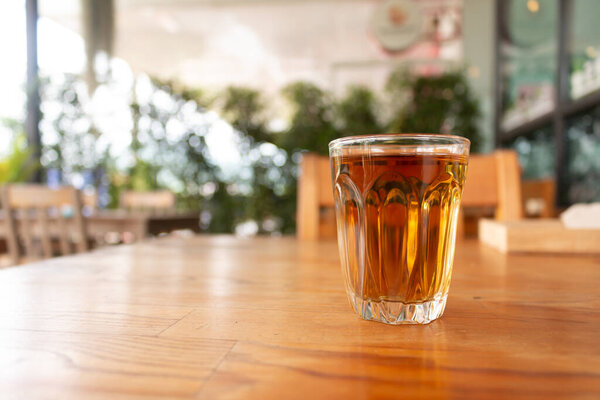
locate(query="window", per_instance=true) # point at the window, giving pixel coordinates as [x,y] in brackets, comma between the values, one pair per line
[548,92]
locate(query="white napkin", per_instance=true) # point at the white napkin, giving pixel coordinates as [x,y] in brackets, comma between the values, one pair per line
[582,216]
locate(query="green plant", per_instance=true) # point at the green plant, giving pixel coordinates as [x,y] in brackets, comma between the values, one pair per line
[313,121]
[196,95]
[272,198]
[244,109]
[358,112]
[169,147]
[434,104]
[16,165]
[69,137]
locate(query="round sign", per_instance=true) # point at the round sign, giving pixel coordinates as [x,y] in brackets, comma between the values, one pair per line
[397,24]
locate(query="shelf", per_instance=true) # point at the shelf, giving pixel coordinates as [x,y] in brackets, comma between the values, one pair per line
[581,104]
[527,127]
[567,110]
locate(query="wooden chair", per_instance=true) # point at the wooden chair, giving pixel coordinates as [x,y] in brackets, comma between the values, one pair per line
[315,211]
[89,200]
[493,182]
[539,198]
[35,215]
[157,201]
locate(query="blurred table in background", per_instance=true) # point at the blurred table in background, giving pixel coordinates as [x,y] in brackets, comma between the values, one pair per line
[140,224]
[262,318]
[128,226]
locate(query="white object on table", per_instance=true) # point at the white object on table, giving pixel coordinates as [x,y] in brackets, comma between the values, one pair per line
[582,216]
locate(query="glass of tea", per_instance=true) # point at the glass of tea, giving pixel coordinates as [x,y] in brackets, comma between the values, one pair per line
[397,199]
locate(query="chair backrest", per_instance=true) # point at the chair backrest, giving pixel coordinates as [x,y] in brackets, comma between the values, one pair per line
[36,214]
[156,201]
[539,198]
[89,200]
[315,216]
[493,180]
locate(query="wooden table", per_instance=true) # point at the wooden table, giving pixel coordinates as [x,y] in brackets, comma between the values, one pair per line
[230,318]
[140,224]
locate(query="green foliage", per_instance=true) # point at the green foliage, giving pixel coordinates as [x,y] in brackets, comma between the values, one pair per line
[272,199]
[169,148]
[358,112]
[226,209]
[434,104]
[158,152]
[186,93]
[312,125]
[16,165]
[143,176]
[74,146]
[244,109]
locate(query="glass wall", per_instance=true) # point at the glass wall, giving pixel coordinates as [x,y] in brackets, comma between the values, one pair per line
[528,60]
[583,167]
[584,71]
[536,153]
[530,35]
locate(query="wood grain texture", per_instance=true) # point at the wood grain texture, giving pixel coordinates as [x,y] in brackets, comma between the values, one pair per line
[267,318]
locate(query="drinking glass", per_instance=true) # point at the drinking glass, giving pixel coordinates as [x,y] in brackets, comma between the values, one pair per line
[397,199]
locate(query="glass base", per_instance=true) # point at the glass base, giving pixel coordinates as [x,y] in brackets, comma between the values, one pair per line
[398,313]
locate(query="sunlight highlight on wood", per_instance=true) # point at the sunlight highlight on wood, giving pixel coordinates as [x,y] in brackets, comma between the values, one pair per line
[230,318]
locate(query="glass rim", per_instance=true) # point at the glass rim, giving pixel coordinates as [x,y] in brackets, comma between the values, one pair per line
[429,139]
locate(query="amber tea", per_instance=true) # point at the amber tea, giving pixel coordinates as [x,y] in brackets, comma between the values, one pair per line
[397,208]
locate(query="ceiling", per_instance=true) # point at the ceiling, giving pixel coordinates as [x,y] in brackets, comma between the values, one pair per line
[261,43]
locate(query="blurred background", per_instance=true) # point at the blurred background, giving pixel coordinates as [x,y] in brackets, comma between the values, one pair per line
[215,100]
